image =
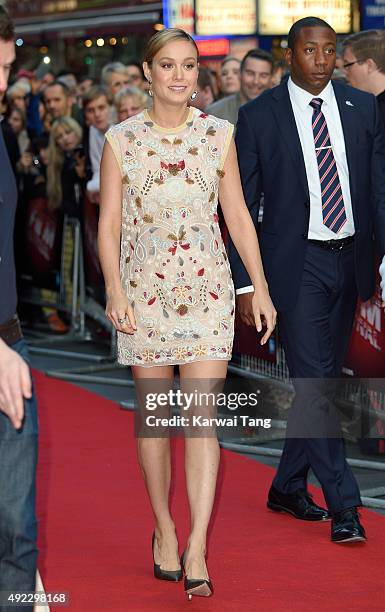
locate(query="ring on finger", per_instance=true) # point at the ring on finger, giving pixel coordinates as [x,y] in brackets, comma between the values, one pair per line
[122,321]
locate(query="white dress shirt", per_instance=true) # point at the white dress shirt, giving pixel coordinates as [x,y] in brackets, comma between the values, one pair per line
[303,112]
[96,144]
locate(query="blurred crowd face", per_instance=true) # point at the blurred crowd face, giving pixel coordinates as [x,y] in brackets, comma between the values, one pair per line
[44,156]
[356,71]
[84,86]
[7,57]
[128,107]
[256,76]
[19,100]
[66,140]
[16,122]
[117,81]
[174,72]
[230,77]
[97,113]
[56,102]
[313,59]
[47,79]
[277,75]
[134,76]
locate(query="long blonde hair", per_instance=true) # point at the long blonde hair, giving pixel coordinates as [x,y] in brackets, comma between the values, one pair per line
[56,160]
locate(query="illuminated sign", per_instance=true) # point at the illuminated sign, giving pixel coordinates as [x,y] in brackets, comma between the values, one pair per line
[179,14]
[214,46]
[277,16]
[225,17]
[373,14]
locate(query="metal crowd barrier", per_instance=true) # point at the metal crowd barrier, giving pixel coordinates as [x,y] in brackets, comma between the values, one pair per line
[79,305]
[74,302]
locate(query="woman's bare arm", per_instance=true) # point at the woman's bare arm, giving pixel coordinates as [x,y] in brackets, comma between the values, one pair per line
[244,237]
[110,225]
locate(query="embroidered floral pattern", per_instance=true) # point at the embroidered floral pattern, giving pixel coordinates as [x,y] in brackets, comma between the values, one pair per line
[173,263]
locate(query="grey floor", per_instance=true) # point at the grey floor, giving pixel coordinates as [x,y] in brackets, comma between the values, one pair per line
[117,385]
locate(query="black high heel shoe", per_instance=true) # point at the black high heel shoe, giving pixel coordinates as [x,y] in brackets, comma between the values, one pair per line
[171,575]
[196,586]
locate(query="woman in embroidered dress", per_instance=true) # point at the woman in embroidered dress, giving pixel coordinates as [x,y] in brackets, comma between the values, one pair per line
[169,289]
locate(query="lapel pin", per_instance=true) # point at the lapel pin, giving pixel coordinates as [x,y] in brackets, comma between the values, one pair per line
[349,103]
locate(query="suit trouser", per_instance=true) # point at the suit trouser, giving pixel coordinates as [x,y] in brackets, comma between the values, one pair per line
[315,336]
[18,526]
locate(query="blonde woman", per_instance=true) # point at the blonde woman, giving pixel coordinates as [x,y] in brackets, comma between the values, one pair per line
[169,289]
[65,136]
[230,76]
[65,188]
[130,101]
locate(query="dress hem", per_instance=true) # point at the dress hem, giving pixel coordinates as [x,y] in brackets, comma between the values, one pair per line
[163,363]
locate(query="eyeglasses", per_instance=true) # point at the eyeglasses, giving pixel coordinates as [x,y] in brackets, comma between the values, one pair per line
[352,63]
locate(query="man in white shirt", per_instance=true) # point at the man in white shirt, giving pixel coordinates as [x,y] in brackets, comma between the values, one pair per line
[97,112]
[316,151]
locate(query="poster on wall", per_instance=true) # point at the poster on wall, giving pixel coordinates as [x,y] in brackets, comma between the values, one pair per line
[366,354]
[276,17]
[225,17]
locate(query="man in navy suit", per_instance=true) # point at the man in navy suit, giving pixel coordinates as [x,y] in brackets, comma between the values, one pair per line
[316,150]
[18,411]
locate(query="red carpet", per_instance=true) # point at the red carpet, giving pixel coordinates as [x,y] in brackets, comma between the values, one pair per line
[96,525]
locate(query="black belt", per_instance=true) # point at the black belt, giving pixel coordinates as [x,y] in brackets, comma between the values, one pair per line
[10,332]
[333,245]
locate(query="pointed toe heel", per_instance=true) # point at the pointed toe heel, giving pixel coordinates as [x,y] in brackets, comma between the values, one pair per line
[161,574]
[201,588]
[198,587]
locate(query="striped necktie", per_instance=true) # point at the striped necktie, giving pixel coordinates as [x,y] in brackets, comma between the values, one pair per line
[333,207]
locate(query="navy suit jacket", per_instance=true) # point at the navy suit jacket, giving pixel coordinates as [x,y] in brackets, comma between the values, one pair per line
[271,162]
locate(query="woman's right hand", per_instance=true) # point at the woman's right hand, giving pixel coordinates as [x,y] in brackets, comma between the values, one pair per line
[120,312]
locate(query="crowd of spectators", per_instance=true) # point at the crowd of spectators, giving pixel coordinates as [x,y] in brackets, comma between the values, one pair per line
[54,125]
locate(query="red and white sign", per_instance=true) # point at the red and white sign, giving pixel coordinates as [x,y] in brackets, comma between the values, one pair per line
[213,47]
[366,355]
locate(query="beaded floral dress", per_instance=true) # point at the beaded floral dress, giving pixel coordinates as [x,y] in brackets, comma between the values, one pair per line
[173,263]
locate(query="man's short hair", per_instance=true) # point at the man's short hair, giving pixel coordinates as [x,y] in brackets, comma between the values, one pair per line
[85,78]
[369,44]
[205,79]
[65,89]
[306,22]
[94,92]
[110,69]
[7,30]
[131,92]
[138,65]
[259,54]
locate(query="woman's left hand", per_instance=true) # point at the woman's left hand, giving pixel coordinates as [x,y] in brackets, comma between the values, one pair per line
[264,313]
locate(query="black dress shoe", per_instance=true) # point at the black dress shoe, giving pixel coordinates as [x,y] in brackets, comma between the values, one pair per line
[346,527]
[299,504]
[161,574]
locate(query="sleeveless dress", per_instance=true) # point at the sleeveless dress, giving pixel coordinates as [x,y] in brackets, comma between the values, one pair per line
[173,263]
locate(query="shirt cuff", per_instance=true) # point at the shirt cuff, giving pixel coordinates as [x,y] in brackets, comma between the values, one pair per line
[382,273]
[247,289]
[94,184]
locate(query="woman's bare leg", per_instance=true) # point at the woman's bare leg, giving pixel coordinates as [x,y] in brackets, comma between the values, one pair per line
[201,465]
[155,462]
